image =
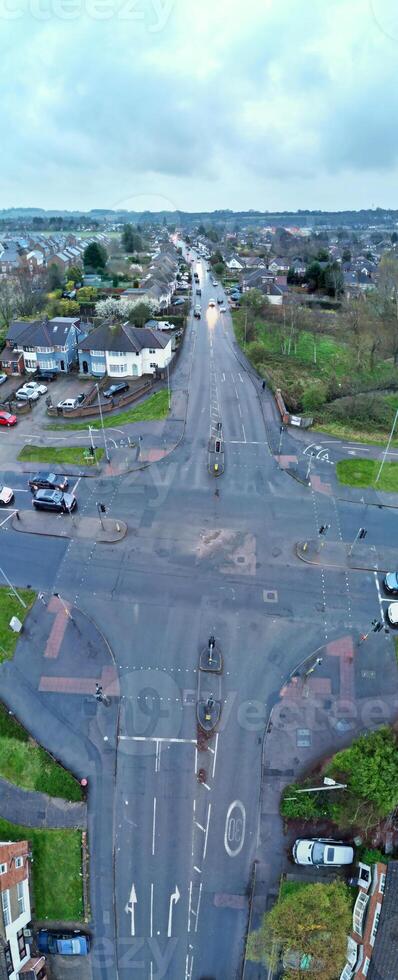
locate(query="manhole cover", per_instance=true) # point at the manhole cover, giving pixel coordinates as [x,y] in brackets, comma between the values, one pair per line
[270,595]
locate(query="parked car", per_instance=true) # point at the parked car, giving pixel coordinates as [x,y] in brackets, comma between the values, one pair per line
[48,481]
[54,500]
[6,495]
[392,613]
[322,852]
[65,943]
[178,302]
[7,419]
[26,395]
[48,375]
[34,386]
[3,378]
[116,389]
[68,403]
[390,583]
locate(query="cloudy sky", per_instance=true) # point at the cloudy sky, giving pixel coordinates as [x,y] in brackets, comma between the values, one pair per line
[199,104]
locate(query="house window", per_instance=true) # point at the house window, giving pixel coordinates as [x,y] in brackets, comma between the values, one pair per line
[21,944]
[3,869]
[30,350]
[97,367]
[118,368]
[8,959]
[151,351]
[19,862]
[97,353]
[5,904]
[20,897]
[366,966]
[382,884]
[48,363]
[44,350]
[29,363]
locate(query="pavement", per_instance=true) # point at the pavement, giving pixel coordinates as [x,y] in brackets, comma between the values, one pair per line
[171,859]
[340,554]
[38,809]
[104,530]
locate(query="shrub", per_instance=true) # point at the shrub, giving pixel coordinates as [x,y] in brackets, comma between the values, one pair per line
[314,397]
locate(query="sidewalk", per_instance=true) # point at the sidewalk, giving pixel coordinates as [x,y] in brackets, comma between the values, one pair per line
[39,810]
[314,717]
[335,554]
[71,526]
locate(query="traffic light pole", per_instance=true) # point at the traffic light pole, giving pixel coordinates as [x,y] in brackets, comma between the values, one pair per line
[361,533]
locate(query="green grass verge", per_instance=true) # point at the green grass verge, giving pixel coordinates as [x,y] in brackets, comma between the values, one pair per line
[353,434]
[77,455]
[9,607]
[57,885]
[291,888]
[28,765]
[154,408]
[363,472]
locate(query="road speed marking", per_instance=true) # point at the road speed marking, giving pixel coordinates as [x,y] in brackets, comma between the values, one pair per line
[235,826]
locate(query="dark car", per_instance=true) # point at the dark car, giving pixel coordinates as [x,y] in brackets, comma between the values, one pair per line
[64,943]
[48,375]
[54,500]
[198,292]
[178,302]
[48,481]
[116,389]
[220,300]
[390,583]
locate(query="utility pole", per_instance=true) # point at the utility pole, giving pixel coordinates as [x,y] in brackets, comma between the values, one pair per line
[102,423]
[361,533]
[387,447]
[14,591]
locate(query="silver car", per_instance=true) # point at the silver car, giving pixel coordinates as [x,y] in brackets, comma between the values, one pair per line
[322,852]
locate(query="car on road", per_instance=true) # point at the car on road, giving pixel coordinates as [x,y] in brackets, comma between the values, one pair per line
[212,302]
[390,583]
[215,282]
[322,852]
[117,389]
[34,386]
[197,312]
[64,943]
[6,495]
[54,500]
[223,309]
[7,419]
[220,300]
[198,292]
[26,395]
[3,378]
[48,481]
[392,614]
[68,403]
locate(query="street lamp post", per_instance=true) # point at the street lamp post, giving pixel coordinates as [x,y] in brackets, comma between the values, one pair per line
[14,591]
[387,447]
[102,424]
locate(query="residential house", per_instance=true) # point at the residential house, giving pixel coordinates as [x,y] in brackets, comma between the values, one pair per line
[124,351]
[32,345]
[372,952]
[273,292]
[10,259]
[279,265]
[235,263]
[16,960]
[256,279]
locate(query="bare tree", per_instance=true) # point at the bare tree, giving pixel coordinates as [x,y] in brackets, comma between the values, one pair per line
[7,303]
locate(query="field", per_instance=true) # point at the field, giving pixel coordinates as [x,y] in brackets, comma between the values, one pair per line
[56,869]
[9,607]
[363,473]
[74,455]
[153,408]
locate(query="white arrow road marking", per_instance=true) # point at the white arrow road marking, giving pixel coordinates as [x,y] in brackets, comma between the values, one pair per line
[130,908]
[174,898]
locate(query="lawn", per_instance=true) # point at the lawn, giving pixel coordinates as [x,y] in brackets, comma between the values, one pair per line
[154,408]
[9,607]
[76,455]
[353,434]
[28,765]
[363,472]
[56,869]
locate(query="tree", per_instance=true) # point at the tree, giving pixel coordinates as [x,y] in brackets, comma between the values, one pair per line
[55,278]
[124,309]
[346,256]
[131,240]
[314,276]
[394,238]
[95,257]
[370,768]
[313,920]
[384,301]
[253,300]
[333,279]
[7,304]
[62,307]
[29,299]
[74,273]
[87,294]
[140,313]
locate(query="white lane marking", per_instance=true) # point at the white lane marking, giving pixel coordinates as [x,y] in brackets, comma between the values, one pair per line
[206,786]
[158,738]
[240,377]
[199,870]
[239,410]
[353,445]
[157,757]
[244,433]
[76,485]
[223,376]
[17,490]
[188,968]
[8,518]
[189,906]
[235,828]
[151,971]
[200,826]
[151,914]
[153,825]
[215,755]
[198,907]
[207,831]
[130,907]
[174,898]
[246,442]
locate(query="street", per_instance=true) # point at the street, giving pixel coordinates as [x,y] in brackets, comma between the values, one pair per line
[195,564]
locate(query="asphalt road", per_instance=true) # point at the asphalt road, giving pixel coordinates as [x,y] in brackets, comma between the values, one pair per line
[193,564]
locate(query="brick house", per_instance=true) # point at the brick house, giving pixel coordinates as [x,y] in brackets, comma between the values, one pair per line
[32,345]
[373,944]
[16,961]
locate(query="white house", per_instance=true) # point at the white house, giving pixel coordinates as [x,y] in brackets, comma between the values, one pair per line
[16,959]
[235,263]
[124,351]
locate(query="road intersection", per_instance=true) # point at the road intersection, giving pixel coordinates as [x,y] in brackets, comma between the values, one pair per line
[192,565]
